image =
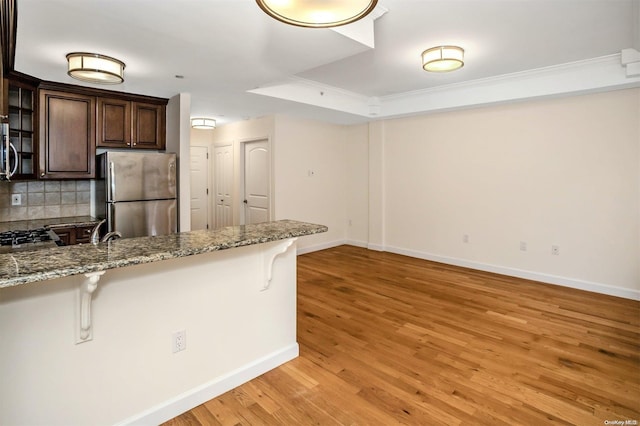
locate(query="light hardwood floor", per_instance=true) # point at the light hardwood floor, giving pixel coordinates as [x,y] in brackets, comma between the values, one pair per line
[387,339]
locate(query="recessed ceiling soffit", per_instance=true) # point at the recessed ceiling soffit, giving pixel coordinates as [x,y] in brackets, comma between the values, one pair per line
[610,72]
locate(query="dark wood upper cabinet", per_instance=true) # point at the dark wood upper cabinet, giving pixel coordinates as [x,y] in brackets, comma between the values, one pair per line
[114,123]
[56,127]
[8,30]
[148,126]
[23,124]
[130,124]
[67,135]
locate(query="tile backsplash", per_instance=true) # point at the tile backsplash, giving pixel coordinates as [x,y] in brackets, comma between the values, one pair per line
[45,199]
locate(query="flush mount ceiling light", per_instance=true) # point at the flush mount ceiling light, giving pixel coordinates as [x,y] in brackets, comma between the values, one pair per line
[317,13]
[95,68]
[203,123]
[443,58]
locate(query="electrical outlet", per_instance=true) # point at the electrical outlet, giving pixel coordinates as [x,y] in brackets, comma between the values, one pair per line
[465,238]
[16,199]
[179,341]
[523,246]
[555,250]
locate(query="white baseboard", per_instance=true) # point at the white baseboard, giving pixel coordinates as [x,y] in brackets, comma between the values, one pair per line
[196,396]
[356,243]
[626,293]
[323,246]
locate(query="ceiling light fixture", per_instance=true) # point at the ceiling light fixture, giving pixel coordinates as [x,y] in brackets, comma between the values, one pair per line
[95,68]
[203,123]
[317,13]
[443,58]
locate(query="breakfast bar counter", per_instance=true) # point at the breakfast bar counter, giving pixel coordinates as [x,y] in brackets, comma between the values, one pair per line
[138,330]
[32,266]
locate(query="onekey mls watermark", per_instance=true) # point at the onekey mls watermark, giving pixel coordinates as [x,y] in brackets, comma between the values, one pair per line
[620,422]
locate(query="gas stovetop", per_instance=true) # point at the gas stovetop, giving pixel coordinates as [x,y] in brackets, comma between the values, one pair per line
[32,239]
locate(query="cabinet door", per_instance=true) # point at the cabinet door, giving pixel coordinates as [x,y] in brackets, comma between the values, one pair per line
[114,123]
[67,135]
[83,234]
[148,126]
[66,235]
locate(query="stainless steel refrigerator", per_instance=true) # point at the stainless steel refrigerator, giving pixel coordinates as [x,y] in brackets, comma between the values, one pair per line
[136,193]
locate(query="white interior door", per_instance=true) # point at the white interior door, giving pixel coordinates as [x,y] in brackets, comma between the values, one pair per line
[223,182]
[257,182]
[199,187]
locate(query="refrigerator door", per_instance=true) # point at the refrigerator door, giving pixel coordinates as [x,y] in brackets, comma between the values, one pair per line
[142,218]
[132,176]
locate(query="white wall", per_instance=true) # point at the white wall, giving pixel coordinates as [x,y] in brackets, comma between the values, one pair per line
[560,172]
[357,170]
[554,172]
[178,135]
[297,147]
[201,137]
[301,146]
[235,134]
[376,187]
[128,373]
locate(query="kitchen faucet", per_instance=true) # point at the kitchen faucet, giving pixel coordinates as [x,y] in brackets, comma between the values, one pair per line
[95,234]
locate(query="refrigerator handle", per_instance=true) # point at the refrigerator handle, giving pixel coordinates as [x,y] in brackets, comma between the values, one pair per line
[110,218]
[112,180]
[172,173]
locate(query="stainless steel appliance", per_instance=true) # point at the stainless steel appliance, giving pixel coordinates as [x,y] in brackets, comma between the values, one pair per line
[8,154]
[28,240]
[136,193]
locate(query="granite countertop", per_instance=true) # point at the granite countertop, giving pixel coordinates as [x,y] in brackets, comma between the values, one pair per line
[27,267]
[62,222]
[48,223]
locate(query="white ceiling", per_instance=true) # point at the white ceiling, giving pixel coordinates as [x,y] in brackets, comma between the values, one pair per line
[224,48]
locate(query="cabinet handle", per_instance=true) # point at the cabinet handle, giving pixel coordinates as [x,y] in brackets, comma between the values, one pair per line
[42,174]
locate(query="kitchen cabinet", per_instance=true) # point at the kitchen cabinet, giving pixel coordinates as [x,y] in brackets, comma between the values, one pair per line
[114,123]
[72,235]
[22,107]
[8,31]
[64,234]
[67,135]
[130,124]
[148,126]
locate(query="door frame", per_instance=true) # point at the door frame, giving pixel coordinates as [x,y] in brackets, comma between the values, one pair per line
[241,188]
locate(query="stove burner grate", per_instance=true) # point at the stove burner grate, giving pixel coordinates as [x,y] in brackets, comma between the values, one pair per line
[17,237]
